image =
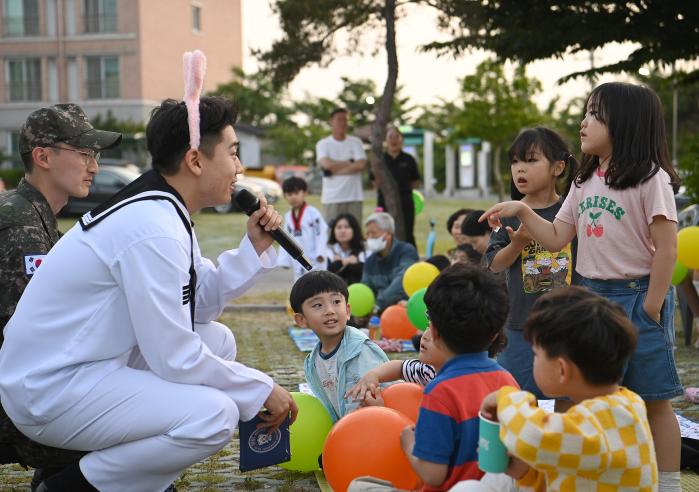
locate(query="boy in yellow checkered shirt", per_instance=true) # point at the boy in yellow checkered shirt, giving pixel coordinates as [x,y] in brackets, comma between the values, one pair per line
[603,443]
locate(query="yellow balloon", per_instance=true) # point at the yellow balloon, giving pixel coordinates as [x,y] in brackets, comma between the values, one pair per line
[418,276]
[688,247]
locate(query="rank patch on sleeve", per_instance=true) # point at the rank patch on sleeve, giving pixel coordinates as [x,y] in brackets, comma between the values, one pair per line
[32,262]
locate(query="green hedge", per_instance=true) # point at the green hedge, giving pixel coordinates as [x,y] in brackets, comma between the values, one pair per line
[11,177]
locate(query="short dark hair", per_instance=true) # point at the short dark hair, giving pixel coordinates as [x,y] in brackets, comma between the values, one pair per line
[470,253]
[471,227]
[314,283]
[337,110]
[294,184]
[468,307]
[591,331]
[452,218]
[440,261]
[633,115]
[554,148]
[167,132]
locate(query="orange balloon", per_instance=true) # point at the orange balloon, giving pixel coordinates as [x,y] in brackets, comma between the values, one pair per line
[367,442]
[404,397]
[395,323]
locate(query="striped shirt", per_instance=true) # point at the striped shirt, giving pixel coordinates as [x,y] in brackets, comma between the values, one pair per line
[447,426]
[414,371]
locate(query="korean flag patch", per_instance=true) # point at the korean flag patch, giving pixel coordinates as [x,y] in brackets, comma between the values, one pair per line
[32,262]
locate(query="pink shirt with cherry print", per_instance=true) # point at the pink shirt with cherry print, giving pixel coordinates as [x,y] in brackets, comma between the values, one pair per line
[613,230]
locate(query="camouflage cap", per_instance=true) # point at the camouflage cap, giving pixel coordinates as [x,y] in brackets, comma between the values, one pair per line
[63,123]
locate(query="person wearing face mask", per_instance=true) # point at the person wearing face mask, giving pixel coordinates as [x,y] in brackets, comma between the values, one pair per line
[383,270]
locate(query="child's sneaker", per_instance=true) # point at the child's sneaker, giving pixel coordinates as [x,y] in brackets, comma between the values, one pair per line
[692,394]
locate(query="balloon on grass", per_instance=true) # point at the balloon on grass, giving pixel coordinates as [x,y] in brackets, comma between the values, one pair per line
[361,299]
[418,202]
[307,433]
[395,323]
[419,275]
[417,310]
[366,442]
[688,247]
[678,273]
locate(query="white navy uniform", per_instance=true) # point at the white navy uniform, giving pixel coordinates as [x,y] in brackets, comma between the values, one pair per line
[103,353]
[311,232]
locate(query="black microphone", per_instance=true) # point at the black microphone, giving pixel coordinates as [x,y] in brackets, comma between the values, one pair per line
[249,203]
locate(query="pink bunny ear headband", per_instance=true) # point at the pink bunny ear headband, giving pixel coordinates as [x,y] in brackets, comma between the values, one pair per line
[194,70]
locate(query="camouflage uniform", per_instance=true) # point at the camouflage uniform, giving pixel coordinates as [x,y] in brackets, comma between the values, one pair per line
[28,230]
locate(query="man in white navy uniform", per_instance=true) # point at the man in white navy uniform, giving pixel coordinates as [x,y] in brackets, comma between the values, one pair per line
[125,358]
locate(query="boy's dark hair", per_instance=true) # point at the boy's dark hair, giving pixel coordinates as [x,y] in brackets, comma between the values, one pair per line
[468,307]
[471,227]
[452,218]
[554,148]
[336,111]
[590,330]
[356,243]
[314,283]
[634,118]
[440,261]
[167,132]
[294,184]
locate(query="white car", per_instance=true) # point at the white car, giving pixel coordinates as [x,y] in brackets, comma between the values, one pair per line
[271,189]
[241,183]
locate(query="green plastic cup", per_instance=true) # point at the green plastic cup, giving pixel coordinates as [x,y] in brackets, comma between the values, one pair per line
[492,453]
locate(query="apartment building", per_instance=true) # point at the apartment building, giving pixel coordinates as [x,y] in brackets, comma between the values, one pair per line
[122,56]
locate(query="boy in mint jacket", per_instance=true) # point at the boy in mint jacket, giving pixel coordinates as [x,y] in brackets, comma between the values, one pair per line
[343,353]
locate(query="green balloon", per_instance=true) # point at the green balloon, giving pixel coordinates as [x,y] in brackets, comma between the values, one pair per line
[417,310]
[307,433]
[418,201]
[679,273]
[361,299]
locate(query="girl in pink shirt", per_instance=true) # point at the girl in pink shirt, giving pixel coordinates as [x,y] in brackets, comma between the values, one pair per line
[622,210]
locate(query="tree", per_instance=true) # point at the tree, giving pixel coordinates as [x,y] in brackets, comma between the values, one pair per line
[666,30]
[309,27]
[495,108]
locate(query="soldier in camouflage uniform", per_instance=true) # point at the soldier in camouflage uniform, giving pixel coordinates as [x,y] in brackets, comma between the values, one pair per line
[59,149]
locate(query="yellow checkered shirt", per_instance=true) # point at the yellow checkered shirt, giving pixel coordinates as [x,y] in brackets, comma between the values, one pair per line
[602,444]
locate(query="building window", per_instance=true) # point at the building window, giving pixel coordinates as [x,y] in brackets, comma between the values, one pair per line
[99,16]
[23,79]
[196,18]
[102,77]
[21,18]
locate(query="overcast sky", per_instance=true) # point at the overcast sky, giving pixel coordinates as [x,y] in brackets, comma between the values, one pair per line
[424,77]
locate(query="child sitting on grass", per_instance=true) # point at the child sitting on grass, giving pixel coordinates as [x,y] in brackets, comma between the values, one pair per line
[467,307]
[343,353]
[581,344]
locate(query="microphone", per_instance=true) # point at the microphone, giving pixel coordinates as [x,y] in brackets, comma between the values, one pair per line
[249,203]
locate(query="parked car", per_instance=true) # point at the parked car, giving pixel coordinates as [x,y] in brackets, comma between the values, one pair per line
[106,182]
[251,186]
[271,189]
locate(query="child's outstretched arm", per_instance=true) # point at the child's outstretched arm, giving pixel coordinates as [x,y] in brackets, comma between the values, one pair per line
[371,381]
[551,235]
[663,232]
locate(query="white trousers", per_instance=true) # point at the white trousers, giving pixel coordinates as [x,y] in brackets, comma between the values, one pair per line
[145,431]
[491,482]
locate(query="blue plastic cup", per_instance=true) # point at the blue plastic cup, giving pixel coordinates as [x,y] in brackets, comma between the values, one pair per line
[492,453]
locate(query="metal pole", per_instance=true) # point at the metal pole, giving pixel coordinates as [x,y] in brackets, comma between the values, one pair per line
[674,117]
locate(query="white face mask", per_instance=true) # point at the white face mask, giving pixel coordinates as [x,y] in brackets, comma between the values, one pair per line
[376,244]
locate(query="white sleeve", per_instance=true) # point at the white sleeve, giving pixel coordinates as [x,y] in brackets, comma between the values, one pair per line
[321,239]
[152,275]
[237,271]
[321,150]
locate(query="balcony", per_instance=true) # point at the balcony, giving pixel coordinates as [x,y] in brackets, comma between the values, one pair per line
[18,27]
[95,24]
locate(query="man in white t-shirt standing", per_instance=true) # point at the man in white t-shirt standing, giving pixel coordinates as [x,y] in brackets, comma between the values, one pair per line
[342,159]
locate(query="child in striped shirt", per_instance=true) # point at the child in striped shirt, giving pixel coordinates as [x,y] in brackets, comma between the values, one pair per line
[581,344]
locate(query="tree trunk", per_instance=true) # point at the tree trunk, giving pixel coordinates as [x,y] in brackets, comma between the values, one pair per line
[498,174]
[383,177]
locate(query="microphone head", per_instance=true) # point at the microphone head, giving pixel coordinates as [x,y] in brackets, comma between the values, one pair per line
[247,202]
